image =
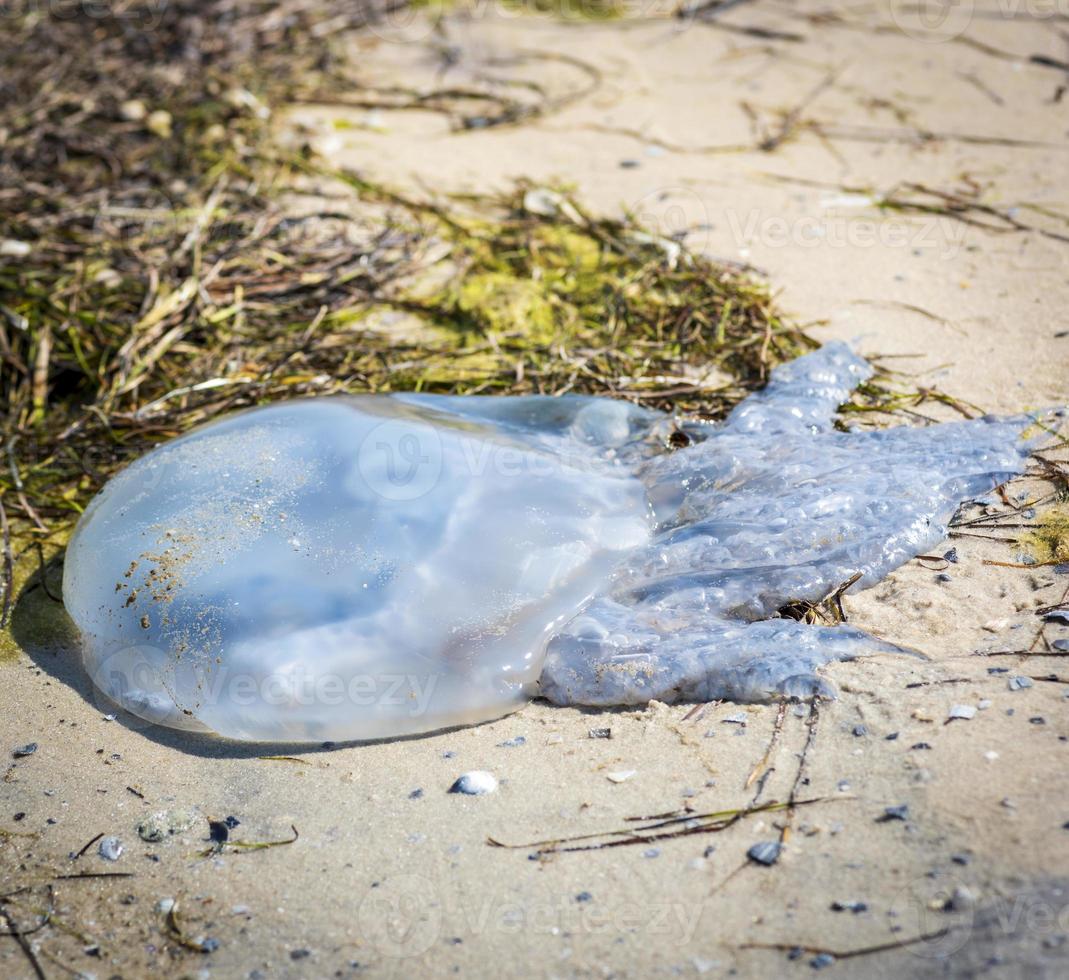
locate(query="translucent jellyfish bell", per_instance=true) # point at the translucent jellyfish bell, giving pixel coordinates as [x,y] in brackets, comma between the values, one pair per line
[375,566]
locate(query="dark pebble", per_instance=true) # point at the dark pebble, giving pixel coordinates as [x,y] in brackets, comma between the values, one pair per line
[1058,616]
[1062,646]
[892,737]
[918,746]
[24,750]
[19,816]
[765,852]
[1038,720]
[821,960]
[416,794]
[629,164]
[942,577]
[900,812]
[860,730]
[951,556]
[512,743]
[300,954]
[584,897]
[218,831]
[600,733]
[209,945]
[961,859]
[855,907]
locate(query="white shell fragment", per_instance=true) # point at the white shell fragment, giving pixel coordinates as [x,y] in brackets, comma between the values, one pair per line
[475,783]
[380,565]
[110,848]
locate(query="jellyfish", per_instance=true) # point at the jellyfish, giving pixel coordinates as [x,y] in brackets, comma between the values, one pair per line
[374,566]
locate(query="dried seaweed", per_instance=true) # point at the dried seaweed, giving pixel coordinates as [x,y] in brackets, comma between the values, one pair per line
[664,827]
[171,262]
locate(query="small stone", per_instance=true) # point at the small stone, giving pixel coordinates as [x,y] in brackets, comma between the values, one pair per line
[942,577]
[12,248]
[475,783]
[110,849]
[951,556]
[899,812]
[983,705]
[962,898]
[962,859]
[651,852]
[855,907]
[159,123]
[600,733]
[765,852]
[166,823]
[961,712]
[821,960]
[1038,720]
[620,776]
[584,897]
[300,954]
[416,794]
[860,730]
[164,905]
[739,718]
[1018,683]
[891,738]
[25,750]
[1062,646]
[512,743]
[1058,616]
[133,110]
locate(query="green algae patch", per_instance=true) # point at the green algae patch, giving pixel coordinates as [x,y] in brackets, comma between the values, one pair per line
[1048,540]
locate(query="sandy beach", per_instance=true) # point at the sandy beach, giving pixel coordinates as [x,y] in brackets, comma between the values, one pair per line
[902,186]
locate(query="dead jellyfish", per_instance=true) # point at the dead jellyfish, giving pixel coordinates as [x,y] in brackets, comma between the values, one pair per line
[376,566]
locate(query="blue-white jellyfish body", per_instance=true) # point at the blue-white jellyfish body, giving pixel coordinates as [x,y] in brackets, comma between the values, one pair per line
[375,566]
